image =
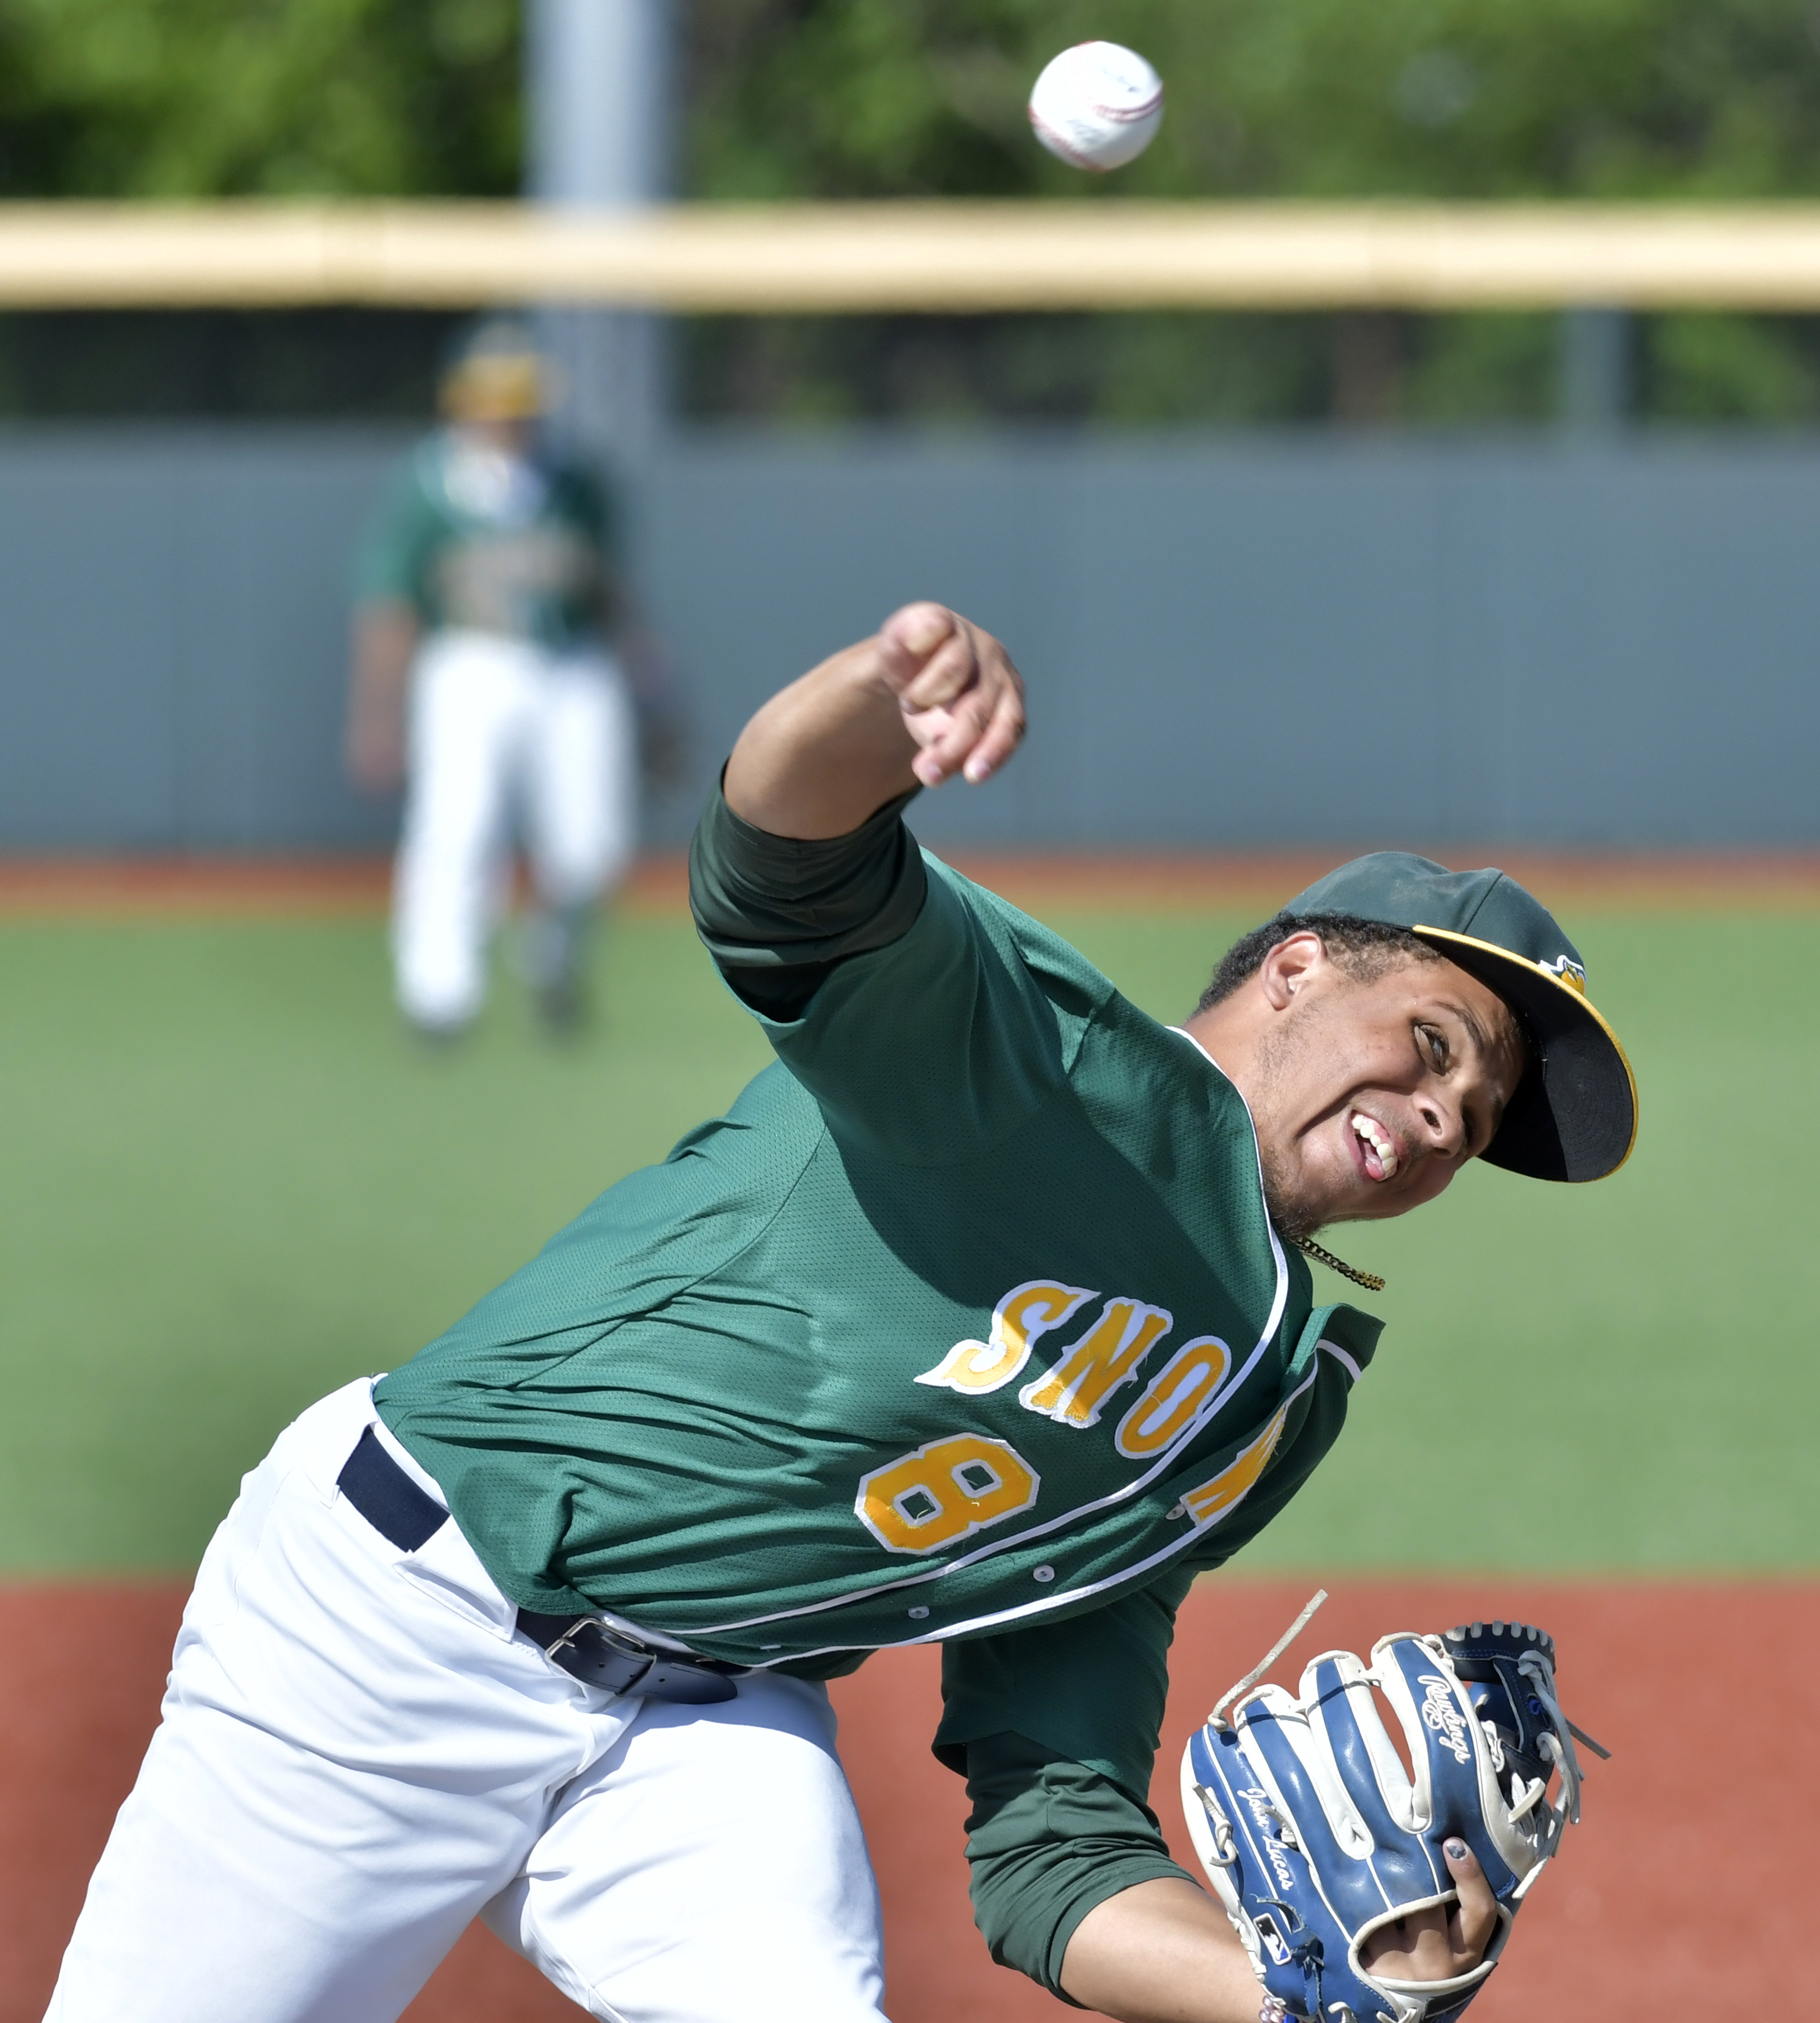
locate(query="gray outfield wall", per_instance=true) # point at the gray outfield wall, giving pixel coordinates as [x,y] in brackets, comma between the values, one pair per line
[1230,642]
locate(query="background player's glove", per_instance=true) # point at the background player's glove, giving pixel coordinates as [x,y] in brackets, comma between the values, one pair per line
[1315,1836]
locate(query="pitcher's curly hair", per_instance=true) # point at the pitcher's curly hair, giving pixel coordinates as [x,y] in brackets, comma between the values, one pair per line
[1364,948]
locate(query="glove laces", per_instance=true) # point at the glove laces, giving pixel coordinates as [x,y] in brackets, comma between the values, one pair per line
[1217,1718]
[1557,1745]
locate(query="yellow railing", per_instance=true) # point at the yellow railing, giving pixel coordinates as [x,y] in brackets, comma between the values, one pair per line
[952,256]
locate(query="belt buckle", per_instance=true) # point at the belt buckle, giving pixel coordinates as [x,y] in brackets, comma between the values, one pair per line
[620,1663]
[588,1667]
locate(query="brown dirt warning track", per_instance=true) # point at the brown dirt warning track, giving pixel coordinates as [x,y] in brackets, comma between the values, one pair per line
[263,888]
[1684,1896]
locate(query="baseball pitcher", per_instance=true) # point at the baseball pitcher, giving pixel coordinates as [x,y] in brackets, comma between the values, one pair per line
[982,1318]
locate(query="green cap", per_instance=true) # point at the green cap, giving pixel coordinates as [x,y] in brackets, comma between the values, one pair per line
[1574,1116]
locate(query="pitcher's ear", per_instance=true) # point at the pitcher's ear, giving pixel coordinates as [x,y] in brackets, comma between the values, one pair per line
[1290,965]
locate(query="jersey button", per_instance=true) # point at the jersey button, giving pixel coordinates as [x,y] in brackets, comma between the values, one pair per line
[918,1613]
[1043,1574]
[1177,1510]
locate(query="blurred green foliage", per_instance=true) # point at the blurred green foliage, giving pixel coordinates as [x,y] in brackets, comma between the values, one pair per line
[183,98]
[1479,98]
[1318,98]
[1492,99]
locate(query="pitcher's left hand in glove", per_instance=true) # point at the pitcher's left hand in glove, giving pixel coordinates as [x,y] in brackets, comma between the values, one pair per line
[1326,1854]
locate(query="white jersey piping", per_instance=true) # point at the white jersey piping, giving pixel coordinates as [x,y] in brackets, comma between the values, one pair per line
[1340,1356]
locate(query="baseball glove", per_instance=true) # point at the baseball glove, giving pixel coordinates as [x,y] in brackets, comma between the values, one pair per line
[1315,1836]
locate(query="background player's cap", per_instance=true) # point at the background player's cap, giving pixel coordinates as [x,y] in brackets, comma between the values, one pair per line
[1574,1114]
[497,372]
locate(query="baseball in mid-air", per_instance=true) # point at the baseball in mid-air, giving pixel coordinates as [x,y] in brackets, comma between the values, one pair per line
[1096,106]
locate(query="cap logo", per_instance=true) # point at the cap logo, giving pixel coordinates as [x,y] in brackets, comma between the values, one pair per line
[1564,969]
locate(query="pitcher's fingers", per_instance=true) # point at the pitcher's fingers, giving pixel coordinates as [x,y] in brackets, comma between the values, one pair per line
[921,626]
[947,674]
[949,736]
[908,638]
[1477,1915]
[973,736]
[1000,738]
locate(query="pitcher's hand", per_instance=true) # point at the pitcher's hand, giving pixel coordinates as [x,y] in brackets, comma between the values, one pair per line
[962,699]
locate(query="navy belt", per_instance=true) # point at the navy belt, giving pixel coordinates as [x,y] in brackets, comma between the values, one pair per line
[585,1647]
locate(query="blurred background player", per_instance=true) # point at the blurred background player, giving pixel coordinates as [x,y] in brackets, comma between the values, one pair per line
[489,639]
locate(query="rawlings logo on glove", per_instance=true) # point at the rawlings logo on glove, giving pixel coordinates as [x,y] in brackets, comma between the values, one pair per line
[1316,1838]
[1440,1713]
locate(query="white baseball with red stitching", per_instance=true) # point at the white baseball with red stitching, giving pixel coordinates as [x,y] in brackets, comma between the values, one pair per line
[1096,106]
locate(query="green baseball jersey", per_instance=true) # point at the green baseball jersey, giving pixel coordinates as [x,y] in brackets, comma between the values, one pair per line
[966,1319]
[475,540]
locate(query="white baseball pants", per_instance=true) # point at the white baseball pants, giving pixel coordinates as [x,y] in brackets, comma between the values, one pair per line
[501,731]
[358,1755]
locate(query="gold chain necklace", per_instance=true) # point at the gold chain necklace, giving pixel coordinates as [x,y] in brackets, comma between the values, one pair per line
[1369,1280]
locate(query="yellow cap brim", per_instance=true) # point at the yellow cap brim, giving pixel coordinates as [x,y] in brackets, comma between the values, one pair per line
[1574,1114]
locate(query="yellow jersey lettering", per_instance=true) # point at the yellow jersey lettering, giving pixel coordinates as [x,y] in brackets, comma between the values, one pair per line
[1024,1313]
[1107,1356]
[1174,1397]
[1213,1499]
[943,1491]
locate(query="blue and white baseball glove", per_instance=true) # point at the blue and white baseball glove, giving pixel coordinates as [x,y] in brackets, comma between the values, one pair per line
[1315,1836]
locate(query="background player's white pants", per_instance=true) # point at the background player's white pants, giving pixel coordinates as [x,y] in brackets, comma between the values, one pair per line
[501,731]
[358,1756]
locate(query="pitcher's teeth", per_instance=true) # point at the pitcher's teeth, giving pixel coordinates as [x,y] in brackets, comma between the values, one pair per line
[1378,1141]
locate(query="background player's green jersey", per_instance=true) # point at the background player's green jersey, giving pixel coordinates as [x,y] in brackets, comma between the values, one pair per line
[476,540]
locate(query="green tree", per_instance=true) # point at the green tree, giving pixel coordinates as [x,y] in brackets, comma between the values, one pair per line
[1334,98]
[201,98]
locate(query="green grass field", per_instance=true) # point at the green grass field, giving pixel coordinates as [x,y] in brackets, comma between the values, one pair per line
[228,1184]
